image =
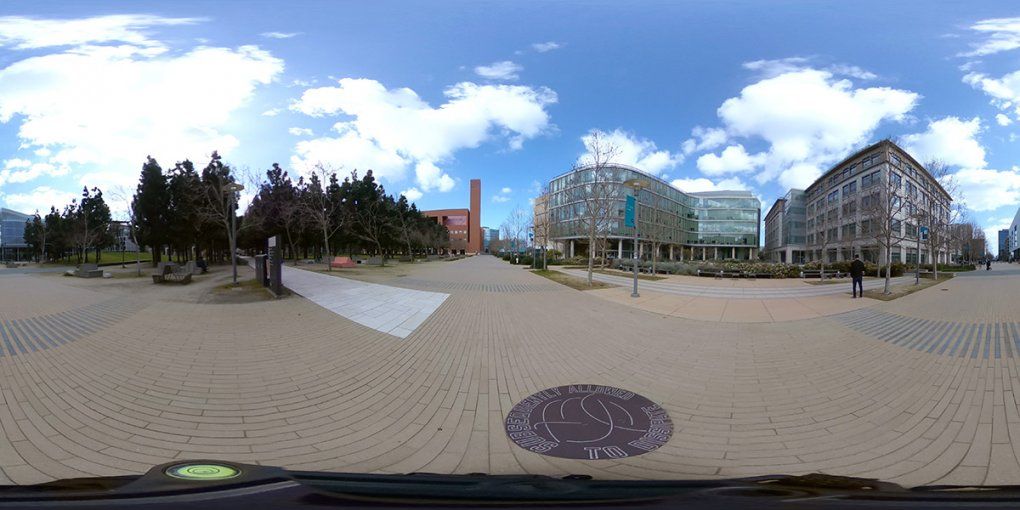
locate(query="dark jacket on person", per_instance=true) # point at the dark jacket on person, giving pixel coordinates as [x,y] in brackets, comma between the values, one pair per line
[857,269]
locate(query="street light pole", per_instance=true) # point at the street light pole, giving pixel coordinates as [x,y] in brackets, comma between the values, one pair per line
[636,185]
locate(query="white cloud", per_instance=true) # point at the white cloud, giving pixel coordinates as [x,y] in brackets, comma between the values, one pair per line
[430,177]
[296,131]
[351,151]
[733,159]
[702,184]
[272,112]
[393,129]
[41,199]
[279,35]
[546,46]
[985,189]
[114,105]
[703,139]
[1004,91]
[506,191]
[808,117]
[776,67]
[412,194]
[634,151]
[1002,120]
[499,199]
[505,70]
[33,33]
[1003,34]
[950,140]
[799,176]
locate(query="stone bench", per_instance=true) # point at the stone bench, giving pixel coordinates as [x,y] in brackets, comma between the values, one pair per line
[89,271]
[170,272]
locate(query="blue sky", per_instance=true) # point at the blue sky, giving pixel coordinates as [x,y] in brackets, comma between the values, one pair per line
[711,95]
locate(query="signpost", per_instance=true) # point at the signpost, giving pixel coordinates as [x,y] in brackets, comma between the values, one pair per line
[275,266]
[630,219]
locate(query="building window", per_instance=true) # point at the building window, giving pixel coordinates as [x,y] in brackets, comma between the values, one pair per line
[895,180]
[849,189]
[896,226]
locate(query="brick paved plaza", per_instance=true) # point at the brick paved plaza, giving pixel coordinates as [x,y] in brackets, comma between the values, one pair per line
[107,377]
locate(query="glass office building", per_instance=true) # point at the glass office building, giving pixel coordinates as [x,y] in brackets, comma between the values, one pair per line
[680,225]
[12,235]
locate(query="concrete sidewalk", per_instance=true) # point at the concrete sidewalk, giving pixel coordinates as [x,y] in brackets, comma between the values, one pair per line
[392,310]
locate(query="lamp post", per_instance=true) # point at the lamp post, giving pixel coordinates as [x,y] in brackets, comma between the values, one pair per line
[637,185]
[231,189]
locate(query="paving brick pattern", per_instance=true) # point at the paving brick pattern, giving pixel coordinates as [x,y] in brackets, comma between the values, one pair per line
[290,383]
[948,338]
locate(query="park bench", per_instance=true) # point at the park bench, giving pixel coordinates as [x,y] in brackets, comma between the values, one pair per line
[817,273]
[89,271]
[170,272]
[342,262]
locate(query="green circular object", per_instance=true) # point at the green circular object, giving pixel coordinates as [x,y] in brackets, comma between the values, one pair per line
[205,472]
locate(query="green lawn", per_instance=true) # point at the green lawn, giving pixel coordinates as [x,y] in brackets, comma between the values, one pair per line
[108,257]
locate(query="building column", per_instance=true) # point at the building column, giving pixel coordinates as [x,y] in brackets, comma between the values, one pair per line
[671,252]
[571,248]
[619,248]
[715,253]
[704,256]
[640,249]
[733,252]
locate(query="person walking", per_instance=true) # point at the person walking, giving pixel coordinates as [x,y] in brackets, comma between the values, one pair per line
[857,275]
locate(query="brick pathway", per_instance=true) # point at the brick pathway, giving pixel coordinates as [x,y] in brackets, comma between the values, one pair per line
[290,383]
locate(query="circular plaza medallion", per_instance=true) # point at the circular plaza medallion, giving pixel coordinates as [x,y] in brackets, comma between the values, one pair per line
[589,422]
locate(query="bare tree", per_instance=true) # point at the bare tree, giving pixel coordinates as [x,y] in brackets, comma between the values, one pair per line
[123,196]
[941,215]
[883,211]
[323,208]
[543,223]
[592,185]
[514,228]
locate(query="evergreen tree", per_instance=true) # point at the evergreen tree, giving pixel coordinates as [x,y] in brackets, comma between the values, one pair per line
[151,206]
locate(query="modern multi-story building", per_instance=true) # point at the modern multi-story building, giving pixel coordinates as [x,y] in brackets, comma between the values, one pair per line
[12,235]
[464,225]
[784,229]
[841,206]
[490,236]
[1003,244]
[705,225]
[1014,237]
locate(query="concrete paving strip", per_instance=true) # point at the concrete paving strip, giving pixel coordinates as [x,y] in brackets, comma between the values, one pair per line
[393,310]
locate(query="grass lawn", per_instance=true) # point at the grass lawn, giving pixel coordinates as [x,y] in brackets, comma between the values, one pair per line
[904,289]
[108,257]
[571,281]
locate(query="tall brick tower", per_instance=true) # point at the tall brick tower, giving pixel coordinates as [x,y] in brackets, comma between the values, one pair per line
[474,244]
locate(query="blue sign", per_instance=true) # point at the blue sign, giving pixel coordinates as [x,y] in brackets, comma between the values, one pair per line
[628,212]
[924,233]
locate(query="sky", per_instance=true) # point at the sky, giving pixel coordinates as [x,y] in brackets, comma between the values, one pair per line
[753,95]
